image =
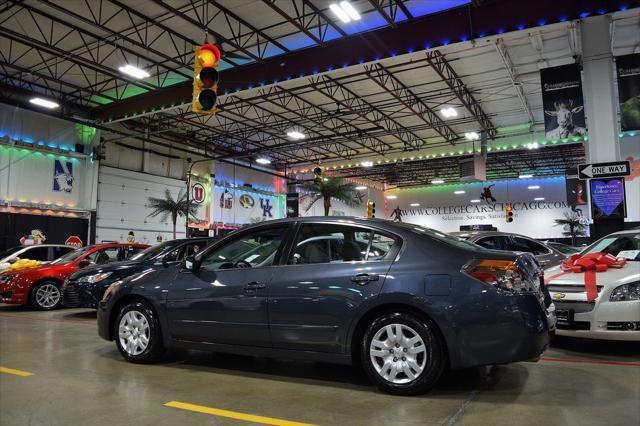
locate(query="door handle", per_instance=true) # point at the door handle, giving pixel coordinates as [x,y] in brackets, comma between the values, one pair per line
[363,279]
[255,285]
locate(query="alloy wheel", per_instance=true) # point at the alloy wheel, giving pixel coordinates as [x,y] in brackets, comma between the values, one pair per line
[47,296]
[398,353]
[134,332]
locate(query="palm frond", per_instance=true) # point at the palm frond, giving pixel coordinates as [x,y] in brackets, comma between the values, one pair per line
[332,188]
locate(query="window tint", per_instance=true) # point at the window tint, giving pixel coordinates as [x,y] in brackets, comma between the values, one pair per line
[380,246]
[104,256]
[254,250]
[36,253]
[493,243]
[529,246]
[60,251]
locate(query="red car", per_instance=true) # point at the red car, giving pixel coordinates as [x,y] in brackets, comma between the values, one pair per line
[40,286]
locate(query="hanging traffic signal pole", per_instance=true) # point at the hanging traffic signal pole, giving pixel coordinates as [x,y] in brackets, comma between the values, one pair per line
[205,79]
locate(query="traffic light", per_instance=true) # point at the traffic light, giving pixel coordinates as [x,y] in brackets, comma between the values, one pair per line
[205,79]
[371,209]
[508,209]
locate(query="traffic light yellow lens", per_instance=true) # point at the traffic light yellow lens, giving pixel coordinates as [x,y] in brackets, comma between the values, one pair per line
[208,58]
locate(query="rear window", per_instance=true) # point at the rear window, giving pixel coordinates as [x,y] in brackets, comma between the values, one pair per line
[441,236]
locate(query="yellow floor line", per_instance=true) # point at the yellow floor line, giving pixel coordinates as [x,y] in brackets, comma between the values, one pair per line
[15,372]
[232,414]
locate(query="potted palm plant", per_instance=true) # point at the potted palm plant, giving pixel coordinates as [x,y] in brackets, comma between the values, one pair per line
[329,188]
[167,206]
[573,226]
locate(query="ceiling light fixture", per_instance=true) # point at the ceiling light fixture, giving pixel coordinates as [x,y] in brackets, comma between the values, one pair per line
[475,201]
[134,72]
[391,197]
[533,187]
[44,103]
[345,11]
[472,136]
[538,199]
[263,160]
[415,204]
[351,11]
[533,145]
[437,181]
[525,176]
[460,191]
[296,135]
[366,163]
[449,112]
[361,188]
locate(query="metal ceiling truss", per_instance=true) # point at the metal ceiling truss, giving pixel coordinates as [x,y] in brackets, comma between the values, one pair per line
[446,72]
[548,161]
[388,9]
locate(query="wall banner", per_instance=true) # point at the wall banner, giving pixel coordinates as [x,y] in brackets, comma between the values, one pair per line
[62,176]
[628,70]
[563,103]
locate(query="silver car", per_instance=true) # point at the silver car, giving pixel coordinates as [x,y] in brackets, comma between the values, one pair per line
[547,256]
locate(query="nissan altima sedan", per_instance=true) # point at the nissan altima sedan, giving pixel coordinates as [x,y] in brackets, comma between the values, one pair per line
[403,301]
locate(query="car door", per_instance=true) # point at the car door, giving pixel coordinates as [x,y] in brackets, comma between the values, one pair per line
[331,270]
[225,299]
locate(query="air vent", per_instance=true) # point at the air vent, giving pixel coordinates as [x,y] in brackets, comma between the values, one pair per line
[473,169]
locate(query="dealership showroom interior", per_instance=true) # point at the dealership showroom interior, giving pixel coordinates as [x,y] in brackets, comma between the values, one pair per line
[320,212]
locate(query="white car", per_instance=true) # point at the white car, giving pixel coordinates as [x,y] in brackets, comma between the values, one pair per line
[615,312]
[41,252]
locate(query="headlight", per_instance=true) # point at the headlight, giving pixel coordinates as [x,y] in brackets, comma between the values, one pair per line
[94,278]
[110,290]
[626,292]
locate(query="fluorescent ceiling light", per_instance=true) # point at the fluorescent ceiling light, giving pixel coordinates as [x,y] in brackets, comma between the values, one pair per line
[525,176]
[538,199]
[437,181]
[366,163]
[472,136]
[340,13]
[263,160]
[296,135]
[361,188]
[391,197]
[44,103]
[134,72]
[475,201]
[460,191]
[533,187]
[415,204]
[351,11]
[449,112]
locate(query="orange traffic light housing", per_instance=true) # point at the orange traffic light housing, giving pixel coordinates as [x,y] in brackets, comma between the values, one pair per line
[205,79]
[508,209]
[371,209]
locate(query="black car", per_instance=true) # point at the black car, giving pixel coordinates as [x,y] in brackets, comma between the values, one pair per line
[407,305]
[85,288]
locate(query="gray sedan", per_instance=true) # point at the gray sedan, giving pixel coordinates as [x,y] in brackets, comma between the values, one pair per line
[546,255]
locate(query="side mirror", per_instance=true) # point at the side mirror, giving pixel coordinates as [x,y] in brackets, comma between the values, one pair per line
[191,264]
[84,263]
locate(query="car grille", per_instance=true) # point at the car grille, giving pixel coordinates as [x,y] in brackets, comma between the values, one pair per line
[575,325]
[70,297]
[564,288]
[576,307]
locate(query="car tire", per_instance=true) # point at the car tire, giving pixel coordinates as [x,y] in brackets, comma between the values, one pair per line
[137,333]
[407,357]
[46,295]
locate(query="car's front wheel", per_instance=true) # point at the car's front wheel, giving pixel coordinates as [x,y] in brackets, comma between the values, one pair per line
[46,295]
[137,332]
[402,354]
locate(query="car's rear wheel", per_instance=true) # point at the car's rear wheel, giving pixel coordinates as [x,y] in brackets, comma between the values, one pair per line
[137,333]
[402,354]
[46,295]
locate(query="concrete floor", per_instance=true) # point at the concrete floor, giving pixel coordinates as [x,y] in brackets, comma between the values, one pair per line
[79,379]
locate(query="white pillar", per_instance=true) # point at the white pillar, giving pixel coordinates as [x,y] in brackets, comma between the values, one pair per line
[598,90]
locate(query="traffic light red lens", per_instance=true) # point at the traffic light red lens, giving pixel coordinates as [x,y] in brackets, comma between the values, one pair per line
[208,77]
[207,99]
[208,58]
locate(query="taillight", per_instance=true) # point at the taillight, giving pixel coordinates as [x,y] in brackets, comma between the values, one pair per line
[503,274]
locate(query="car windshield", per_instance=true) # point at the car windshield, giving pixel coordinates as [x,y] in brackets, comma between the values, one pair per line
[449,239]
[152,252]
[621,245]
[9,252]
[71,256]
[564,249]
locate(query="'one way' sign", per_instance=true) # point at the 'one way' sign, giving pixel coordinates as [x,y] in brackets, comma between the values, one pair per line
[603,170]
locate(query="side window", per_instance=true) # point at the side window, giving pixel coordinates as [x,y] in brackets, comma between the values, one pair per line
[490,243]
[193,249]
[320,243]
[60,251]
[36,253]
[529,246]
[104,256]
[381,246]
[254,250]
[175,255]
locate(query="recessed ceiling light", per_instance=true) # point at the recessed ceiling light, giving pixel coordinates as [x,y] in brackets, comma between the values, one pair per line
[437,181]
[296,135]
[460,191]
[263,160]
[134,72]
[391,197]
[341,14]
[525,176]
[44,103]
[475,201]
[351,11]
[449,112]
[538,199]
[361,188]
[345,11]
[415,204]
[533,187]
[472,136]
[366,163]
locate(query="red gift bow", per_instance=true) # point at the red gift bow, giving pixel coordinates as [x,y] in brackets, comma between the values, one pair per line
[589,264]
